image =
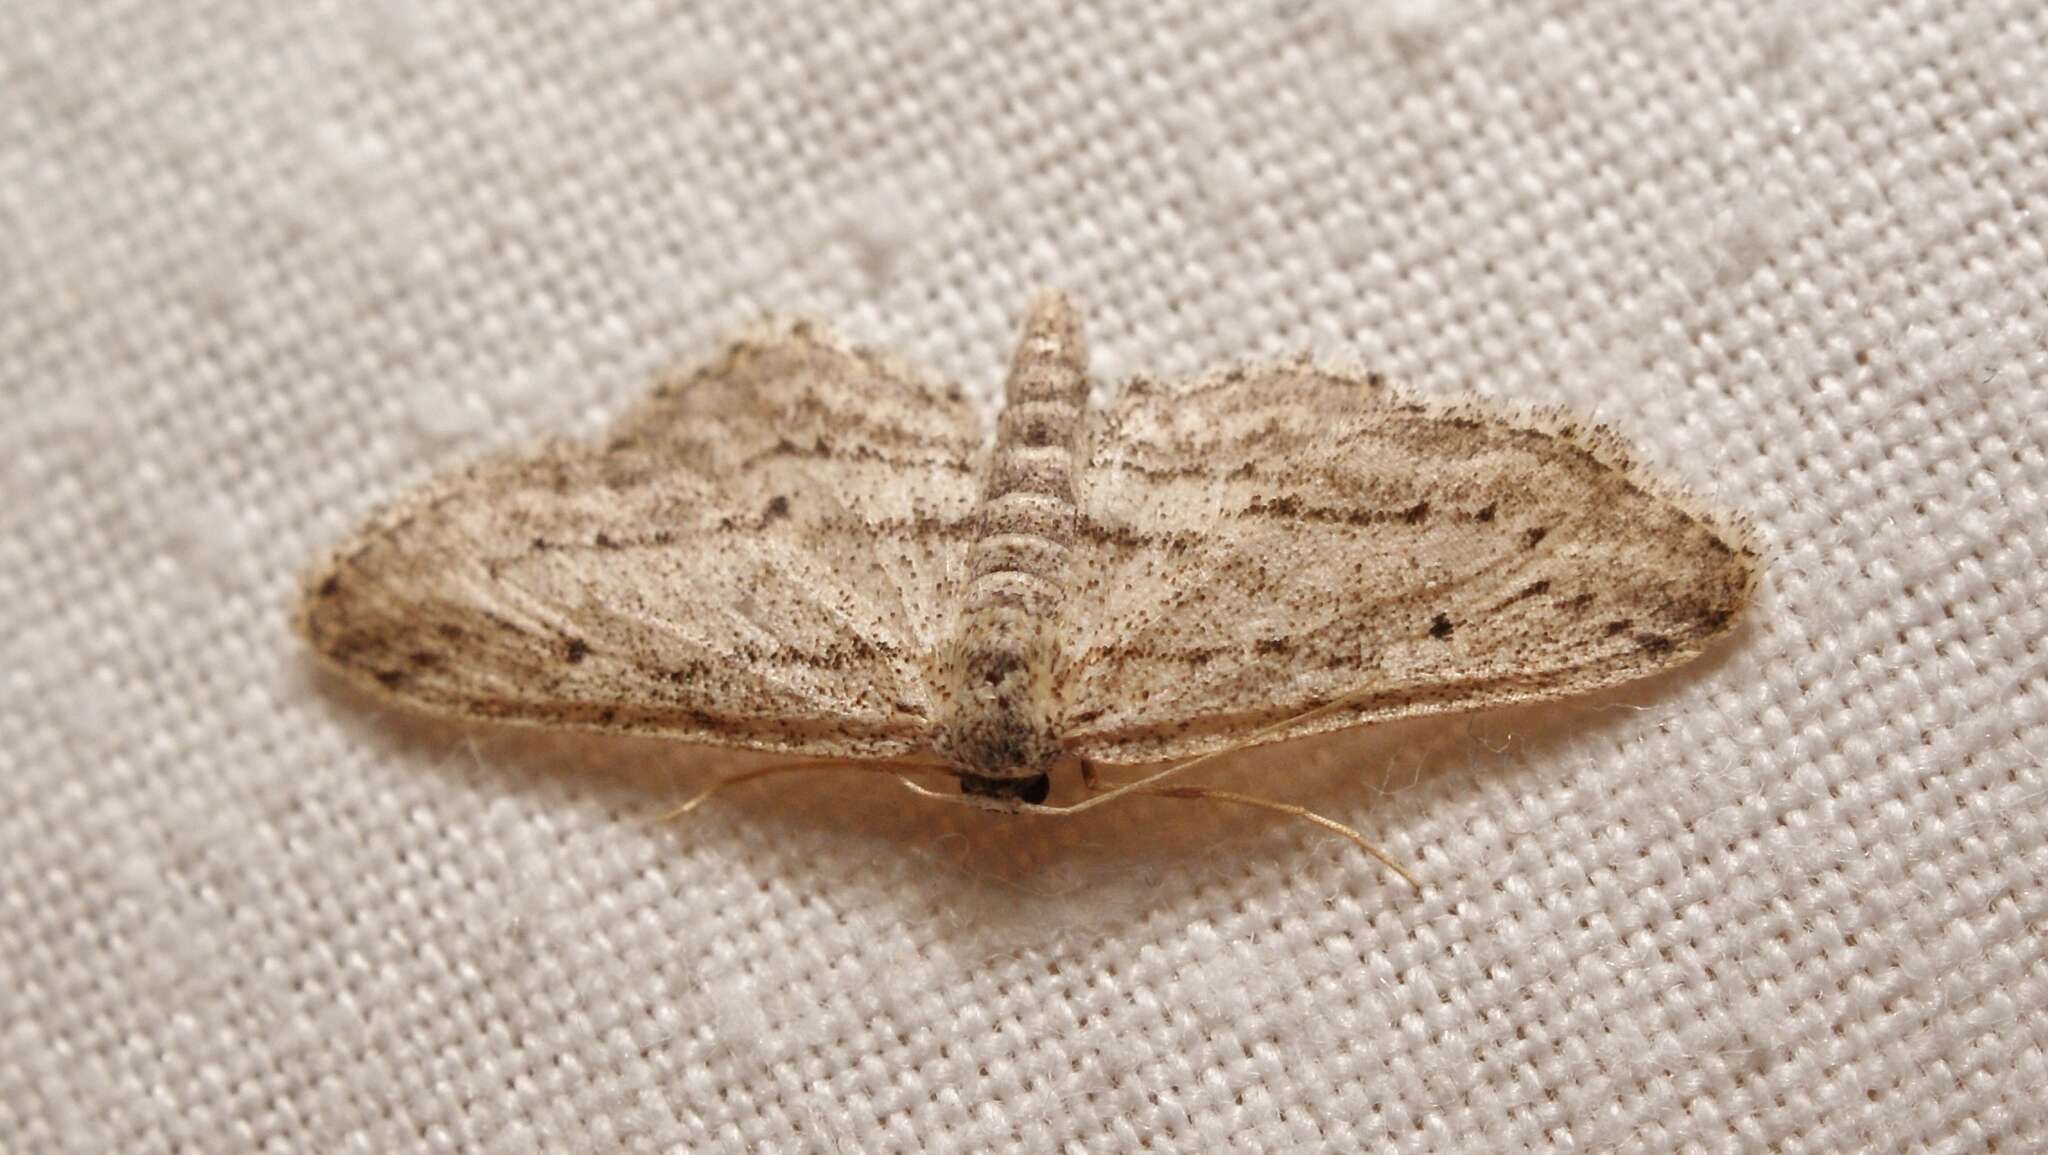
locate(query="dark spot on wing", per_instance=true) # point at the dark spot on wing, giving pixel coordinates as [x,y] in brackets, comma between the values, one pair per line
[604,541]
[692,671]
[1272,645]
[1441,627]
[1416,514]
[1534,537]
[1485,514]
[1618,626]
[575,650]
[1534,588]
[331,586]
[1655,643]
[996,665]
[391,679]
[778,508]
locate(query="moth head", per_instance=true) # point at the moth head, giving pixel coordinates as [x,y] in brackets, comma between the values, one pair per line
[999,793]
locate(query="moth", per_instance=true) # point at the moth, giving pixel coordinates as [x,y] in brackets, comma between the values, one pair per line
[805,548]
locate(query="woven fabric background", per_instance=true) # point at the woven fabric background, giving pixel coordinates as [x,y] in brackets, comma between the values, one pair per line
[264,266]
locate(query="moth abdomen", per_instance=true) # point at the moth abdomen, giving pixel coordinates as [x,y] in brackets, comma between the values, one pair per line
[996,721]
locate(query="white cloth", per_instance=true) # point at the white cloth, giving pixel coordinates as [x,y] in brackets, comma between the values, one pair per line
[265,265]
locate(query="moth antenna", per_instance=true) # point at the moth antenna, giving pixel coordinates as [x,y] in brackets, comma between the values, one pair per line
[834,764]
[1292,811]
[1149,782]
[1195,793]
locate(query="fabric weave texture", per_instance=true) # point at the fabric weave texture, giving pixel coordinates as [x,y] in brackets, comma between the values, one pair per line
[264,267]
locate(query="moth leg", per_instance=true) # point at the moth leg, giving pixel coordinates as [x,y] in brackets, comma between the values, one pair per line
[1093,781]
[1197,793]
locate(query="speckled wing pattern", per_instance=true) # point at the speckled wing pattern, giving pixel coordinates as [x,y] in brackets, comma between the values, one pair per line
[759,555]
[1260,545]
[774,553]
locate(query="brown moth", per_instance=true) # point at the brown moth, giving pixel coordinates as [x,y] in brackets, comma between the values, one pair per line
[806,549]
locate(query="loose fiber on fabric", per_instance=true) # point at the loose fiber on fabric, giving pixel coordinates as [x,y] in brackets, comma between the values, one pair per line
[264,268]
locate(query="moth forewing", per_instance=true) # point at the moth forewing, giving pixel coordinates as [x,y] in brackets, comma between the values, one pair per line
[804,548]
